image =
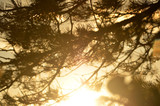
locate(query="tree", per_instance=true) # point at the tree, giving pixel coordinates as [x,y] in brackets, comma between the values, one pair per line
[117,33]
[137,92]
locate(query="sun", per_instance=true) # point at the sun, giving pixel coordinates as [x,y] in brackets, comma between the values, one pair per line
[82,97]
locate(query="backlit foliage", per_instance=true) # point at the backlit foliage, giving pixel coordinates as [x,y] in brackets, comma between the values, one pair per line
[42,37]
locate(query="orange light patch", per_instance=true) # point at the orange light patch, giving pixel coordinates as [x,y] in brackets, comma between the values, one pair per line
[156,49]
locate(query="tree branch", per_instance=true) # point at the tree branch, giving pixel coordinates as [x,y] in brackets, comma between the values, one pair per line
[14,3]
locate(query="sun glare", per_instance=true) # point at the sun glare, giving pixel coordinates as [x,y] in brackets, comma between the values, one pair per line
[82,97]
